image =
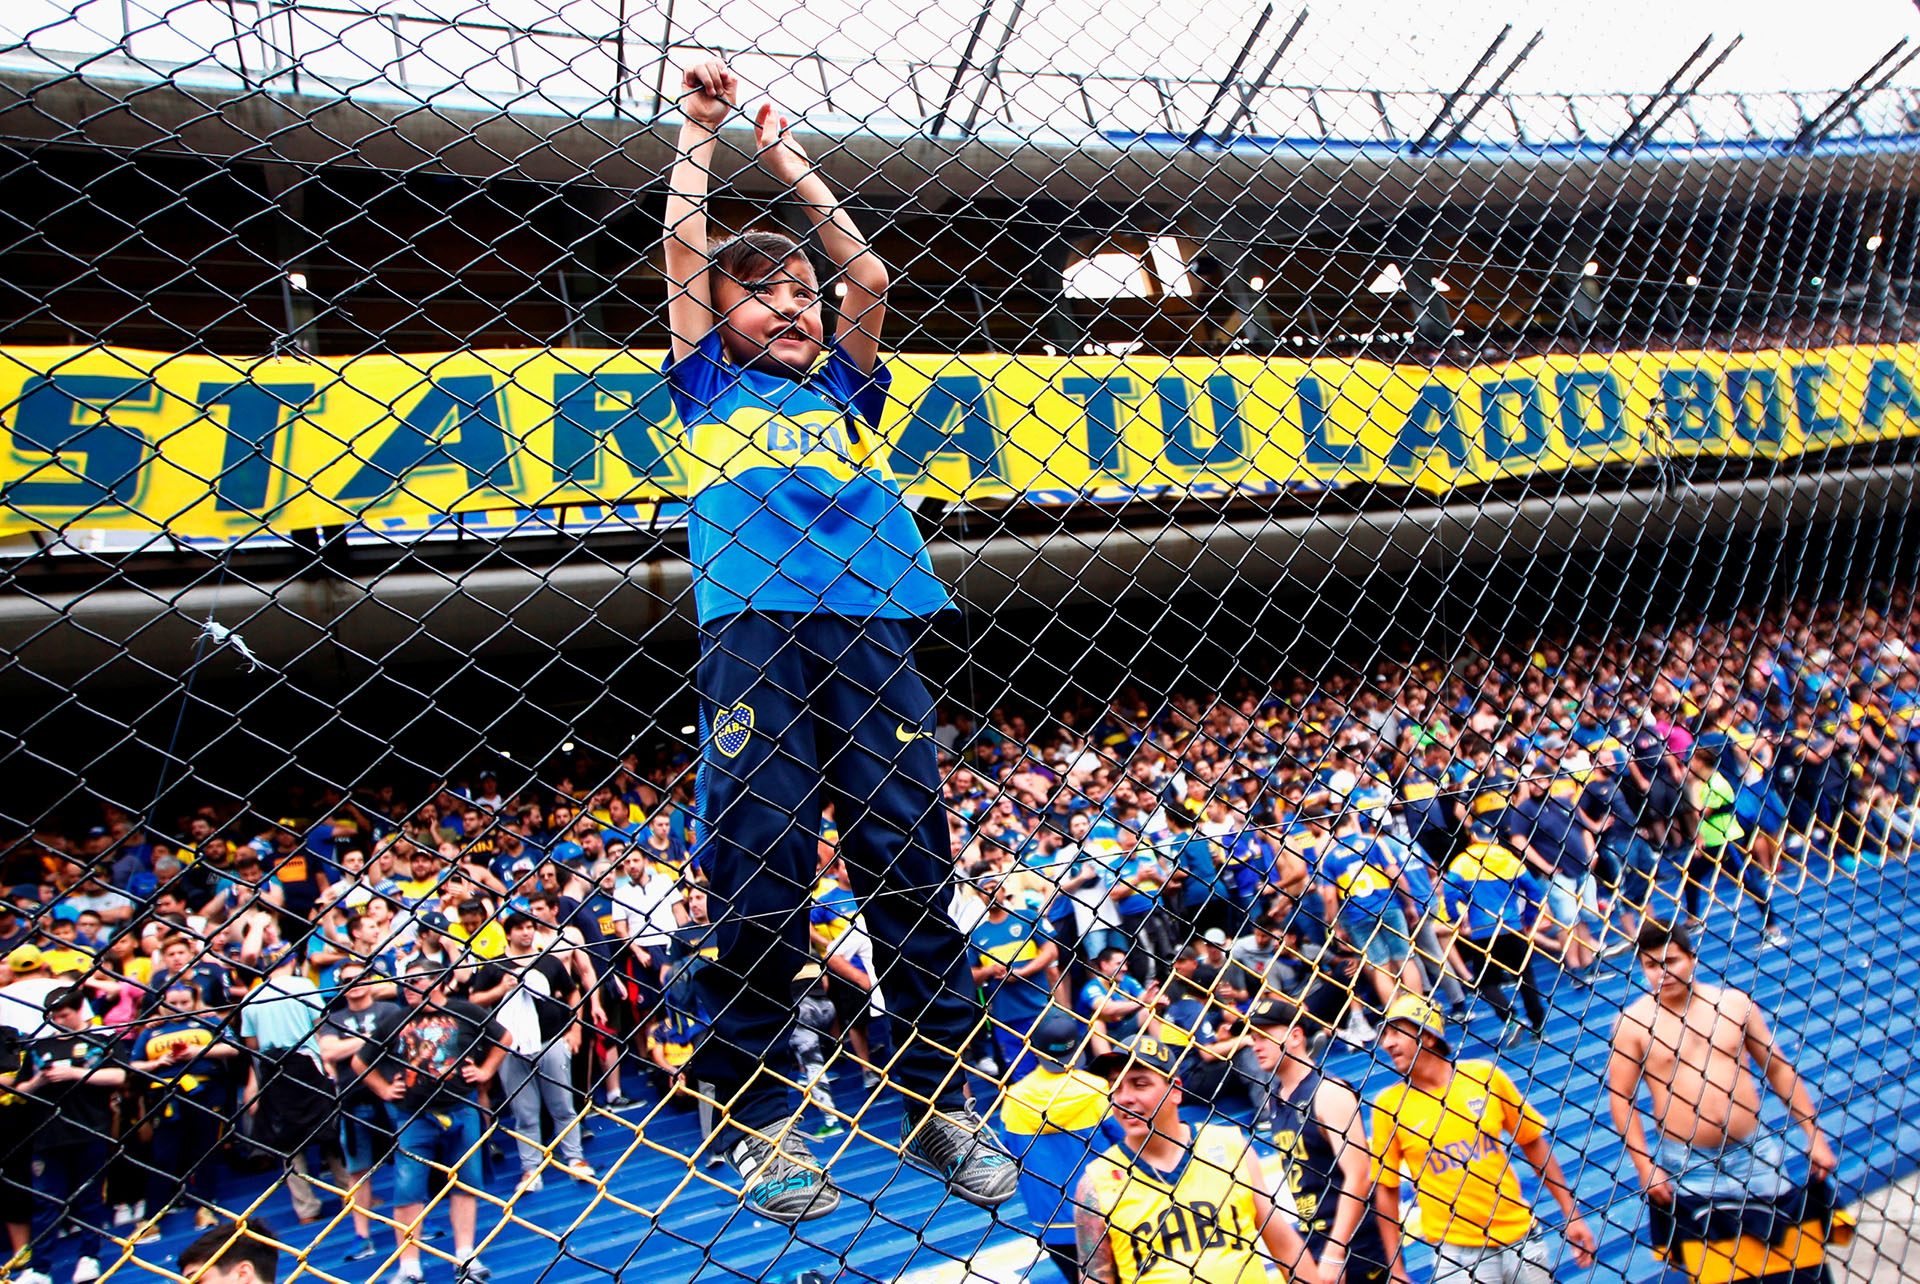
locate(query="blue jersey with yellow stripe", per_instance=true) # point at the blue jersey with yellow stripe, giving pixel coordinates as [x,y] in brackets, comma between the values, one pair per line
[1054,1123]
[793,505]
[1363,871]
[1488,888]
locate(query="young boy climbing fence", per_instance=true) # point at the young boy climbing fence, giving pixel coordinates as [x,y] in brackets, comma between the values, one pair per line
[812,585]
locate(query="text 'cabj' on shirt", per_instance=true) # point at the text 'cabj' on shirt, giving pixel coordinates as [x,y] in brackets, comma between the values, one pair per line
[793,506]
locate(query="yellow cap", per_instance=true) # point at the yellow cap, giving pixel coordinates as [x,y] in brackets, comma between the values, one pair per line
[1421,1013]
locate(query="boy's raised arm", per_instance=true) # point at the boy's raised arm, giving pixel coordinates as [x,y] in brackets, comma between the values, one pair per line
[710,93]
[864,309]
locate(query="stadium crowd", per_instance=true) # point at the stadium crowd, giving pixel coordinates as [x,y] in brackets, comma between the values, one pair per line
[385,977]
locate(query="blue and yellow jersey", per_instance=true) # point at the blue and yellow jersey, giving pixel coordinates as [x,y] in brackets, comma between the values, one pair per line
[187,1037]
[1013,942]
[1494,790]
[1194,1225]
[794,507]
[832,911]
[1051,1122]
[1364,874]
[673,1037]
[1487,887]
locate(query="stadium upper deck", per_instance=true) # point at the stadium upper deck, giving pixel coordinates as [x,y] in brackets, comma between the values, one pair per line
[235,179]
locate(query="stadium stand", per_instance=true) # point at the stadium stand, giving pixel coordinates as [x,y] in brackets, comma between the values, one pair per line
[1859,939]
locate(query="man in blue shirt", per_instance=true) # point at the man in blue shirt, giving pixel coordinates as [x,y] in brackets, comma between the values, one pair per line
[812,587]
[1114,997]
[1361,884]
[1543,817]
[1195,864]
[1013,962]
[1493,901]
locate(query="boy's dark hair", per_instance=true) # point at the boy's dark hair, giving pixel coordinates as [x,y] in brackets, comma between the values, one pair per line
[248,1240]
[473,905]
[1187,954]
[1654,937]
[517,919]
[1112,951]
[753,255]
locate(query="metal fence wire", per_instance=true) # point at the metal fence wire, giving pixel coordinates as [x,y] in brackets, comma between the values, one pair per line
[1151,642]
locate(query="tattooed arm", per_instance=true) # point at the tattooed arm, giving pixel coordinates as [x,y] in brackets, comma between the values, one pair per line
[1090,1232]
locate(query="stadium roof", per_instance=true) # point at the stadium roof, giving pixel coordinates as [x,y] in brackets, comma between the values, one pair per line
[1557,75]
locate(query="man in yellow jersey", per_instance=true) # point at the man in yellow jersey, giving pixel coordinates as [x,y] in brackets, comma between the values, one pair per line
[1175,1203]
[1721,1205]
[1452,1125]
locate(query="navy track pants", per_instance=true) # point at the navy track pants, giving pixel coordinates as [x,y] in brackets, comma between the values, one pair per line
[797,710]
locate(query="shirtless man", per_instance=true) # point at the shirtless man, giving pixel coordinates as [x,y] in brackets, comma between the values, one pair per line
[1697,1047]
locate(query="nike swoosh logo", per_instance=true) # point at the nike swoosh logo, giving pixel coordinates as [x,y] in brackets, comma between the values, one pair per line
[904,736]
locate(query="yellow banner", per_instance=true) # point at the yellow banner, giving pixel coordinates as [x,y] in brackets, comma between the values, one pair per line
[206,445]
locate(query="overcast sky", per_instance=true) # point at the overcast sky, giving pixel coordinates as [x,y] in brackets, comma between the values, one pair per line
[1379,44]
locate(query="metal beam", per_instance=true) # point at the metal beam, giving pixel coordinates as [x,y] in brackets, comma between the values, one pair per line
[991,76]
[430,615]
[1680,99]
[1820,126]
[1446,105]
[1239,60]
[1252,91]
[1460,126]
[1660,97]
[966,62]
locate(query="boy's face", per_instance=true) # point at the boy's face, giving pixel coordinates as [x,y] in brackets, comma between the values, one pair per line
[773,324]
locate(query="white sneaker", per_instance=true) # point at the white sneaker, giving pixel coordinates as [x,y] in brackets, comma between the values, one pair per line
[1777,938]
[32,1277]
[86,1270]
[123,1215]
[528,1184]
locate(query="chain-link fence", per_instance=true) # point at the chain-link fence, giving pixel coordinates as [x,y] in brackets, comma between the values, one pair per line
[1125,641]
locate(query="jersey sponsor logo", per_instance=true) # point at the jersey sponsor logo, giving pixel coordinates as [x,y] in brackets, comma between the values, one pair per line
[1460,1154]
[732,728]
